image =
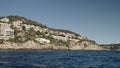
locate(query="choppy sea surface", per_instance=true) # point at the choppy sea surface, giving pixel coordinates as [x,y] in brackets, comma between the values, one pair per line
[59,59]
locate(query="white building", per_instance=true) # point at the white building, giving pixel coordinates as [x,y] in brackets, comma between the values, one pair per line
[60,38]
[9,33]
[5,20]
[43,40]
[82,37]
[3,27]
[75,40]
[5,31]
[17,24]
[27,27]
[36,28]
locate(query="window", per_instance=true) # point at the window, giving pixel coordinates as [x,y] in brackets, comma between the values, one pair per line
[9,33]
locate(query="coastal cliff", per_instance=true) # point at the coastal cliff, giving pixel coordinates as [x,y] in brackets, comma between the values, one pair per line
[21,33]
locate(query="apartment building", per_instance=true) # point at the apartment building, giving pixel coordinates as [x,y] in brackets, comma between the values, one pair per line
[6,32]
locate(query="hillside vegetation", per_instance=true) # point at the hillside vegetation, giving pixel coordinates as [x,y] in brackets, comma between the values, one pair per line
[26,30]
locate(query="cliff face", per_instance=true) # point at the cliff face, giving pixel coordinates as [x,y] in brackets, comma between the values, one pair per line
[20,33]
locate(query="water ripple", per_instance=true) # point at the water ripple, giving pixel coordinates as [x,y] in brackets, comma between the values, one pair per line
[59,59]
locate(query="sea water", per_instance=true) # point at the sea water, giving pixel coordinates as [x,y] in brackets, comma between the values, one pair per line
[59,59]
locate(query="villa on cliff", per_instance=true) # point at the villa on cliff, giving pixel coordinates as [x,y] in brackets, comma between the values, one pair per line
[6,32]
[43,40]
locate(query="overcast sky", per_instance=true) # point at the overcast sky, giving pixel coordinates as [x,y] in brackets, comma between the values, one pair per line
[98,20]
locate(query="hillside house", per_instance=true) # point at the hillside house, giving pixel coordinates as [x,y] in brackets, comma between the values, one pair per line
[9,33]
[75,40]
[43,40]
[37,28]
[4,20]
[27,27]
[60,38]
[5,31]
[17,24]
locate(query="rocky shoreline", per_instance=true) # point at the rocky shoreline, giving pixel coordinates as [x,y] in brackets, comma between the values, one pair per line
[31,45]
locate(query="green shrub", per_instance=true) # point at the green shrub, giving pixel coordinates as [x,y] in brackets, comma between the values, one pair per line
[1,41]
[92,41]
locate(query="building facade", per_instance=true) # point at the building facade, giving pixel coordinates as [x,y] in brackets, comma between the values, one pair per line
[6,32]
